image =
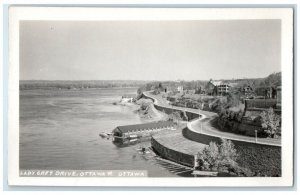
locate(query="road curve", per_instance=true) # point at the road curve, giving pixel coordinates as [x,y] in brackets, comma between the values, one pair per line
[202,125]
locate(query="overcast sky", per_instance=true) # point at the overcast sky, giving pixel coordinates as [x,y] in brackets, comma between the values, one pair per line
[149,50]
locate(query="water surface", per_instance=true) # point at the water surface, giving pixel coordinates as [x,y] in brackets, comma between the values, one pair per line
[59,129]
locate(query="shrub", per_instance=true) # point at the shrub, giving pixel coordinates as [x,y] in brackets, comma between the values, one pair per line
[231,115]
[156,92]
[144,105]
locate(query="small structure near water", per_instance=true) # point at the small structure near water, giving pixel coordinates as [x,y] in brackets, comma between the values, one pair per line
[128,98]
[128,132]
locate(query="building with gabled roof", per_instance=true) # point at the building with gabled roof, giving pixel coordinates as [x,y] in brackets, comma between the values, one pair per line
[127,131]
[217,88]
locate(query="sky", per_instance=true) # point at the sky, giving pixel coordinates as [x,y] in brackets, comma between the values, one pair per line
[149,50]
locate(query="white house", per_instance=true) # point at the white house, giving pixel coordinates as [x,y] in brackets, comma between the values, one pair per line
[180,88]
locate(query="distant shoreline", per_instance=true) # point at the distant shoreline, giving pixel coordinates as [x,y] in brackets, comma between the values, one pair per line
[34,84]
[66,88]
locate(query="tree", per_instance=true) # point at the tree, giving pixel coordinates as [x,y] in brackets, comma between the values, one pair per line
[228,154]
[208,157]
[233,99]
[175,116]
[160,86]
[218,157]
[139,91]
[144,105]
[270,122]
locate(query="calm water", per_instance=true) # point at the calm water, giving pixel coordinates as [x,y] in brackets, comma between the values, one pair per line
[59,129]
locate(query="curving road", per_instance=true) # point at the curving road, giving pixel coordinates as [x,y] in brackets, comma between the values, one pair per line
[203,124]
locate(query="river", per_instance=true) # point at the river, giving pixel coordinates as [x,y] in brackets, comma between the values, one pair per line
[59,129]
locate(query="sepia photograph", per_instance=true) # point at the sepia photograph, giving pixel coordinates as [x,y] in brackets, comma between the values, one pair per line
[184,95]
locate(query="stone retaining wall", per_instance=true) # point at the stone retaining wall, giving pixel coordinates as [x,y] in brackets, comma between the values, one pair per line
[175,156]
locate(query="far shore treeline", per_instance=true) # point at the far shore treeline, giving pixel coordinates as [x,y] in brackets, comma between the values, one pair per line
[272,79]
[82,84]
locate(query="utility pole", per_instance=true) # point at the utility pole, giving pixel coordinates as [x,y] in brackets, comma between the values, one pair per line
[255,136]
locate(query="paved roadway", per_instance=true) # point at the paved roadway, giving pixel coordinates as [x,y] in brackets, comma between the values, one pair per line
[203,124]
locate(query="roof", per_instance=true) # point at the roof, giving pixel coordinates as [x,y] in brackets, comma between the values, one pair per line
[152,125]
[216,83]
[233,84]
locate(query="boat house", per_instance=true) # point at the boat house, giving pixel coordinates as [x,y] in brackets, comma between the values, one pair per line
[140,130]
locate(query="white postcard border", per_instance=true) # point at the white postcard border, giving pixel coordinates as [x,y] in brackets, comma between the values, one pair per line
[17,14]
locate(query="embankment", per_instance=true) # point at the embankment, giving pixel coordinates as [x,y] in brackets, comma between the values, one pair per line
[147,110]
[169,110]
